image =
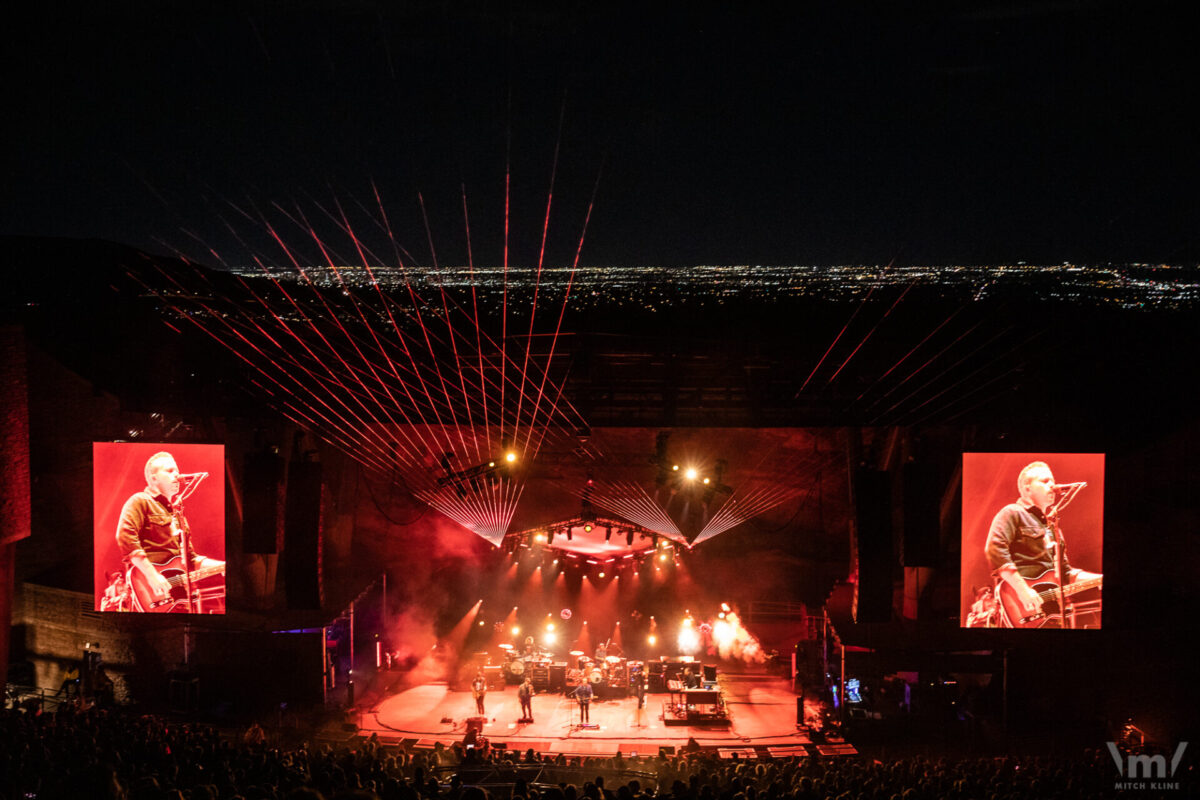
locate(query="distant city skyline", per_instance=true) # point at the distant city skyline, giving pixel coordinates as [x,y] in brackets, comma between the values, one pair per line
[1155,286]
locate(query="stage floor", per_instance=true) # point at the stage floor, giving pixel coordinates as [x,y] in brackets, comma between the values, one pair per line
[761,710]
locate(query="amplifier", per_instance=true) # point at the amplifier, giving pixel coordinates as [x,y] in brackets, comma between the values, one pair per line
[539,674]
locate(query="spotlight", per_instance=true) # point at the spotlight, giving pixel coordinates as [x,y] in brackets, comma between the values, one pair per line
[549,626]
[587,527]
[601,574]
[706,481]
[510,456]
[690,474]
[652,639]
[675,468]
[548,638]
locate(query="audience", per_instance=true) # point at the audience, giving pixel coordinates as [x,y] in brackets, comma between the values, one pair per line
[110,754]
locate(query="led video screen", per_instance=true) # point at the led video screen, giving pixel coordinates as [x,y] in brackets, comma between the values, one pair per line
[1032,540]
[159,527]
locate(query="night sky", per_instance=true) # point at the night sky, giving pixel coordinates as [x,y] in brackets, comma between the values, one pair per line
[823,133]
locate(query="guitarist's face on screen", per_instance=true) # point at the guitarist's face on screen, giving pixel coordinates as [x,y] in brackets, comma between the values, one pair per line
[162,476]
[1037,486]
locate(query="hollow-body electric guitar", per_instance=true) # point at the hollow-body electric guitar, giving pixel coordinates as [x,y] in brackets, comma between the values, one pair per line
[1046,586]
[145,599]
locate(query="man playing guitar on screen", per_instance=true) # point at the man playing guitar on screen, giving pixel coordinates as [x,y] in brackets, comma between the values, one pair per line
[152,535]
[1022,546]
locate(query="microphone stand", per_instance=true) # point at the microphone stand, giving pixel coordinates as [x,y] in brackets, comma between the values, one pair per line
[185,536]
[185,533]
[1060,552]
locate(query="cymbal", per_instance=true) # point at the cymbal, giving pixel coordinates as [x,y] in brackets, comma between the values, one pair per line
[506,646]
[576,652]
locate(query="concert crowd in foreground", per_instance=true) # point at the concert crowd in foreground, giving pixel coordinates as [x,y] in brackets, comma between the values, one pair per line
[112,754]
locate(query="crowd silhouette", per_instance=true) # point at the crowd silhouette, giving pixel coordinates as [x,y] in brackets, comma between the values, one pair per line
[110,753]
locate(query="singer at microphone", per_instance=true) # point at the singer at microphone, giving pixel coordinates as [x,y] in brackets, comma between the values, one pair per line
[1020,543]
[152,531]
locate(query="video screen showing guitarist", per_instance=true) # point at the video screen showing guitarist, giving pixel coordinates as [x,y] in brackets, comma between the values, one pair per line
[165,565]
[1032,583]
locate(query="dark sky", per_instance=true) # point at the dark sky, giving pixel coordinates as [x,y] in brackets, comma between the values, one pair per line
[824,133]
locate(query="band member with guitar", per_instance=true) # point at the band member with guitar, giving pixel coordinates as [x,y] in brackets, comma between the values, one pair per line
[479,691]
[525,694]
[583,694]
[152,535]
[1022,547]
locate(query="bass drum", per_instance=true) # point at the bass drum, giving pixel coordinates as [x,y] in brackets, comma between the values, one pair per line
[596,677]
[514,671]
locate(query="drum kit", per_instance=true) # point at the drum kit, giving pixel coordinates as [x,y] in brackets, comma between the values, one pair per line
[609,674]
[518,666]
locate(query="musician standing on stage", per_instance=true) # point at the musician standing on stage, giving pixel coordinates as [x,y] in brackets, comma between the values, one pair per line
[584,695]
[1020,543]
[525,695]
[150,529]
[479,691]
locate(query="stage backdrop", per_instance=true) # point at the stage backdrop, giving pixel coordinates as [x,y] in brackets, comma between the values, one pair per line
[118,472]
[990,483]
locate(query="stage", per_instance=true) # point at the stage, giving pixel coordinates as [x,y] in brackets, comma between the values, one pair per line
[761,712]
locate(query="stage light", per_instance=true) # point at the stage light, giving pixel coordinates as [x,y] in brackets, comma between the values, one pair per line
[587,527]
[549,638]
[549,626]
[725,607]
[516,631]
[662,557]
[690,474]
[510,456]
[652,639]
[539,538]
[706,481]
[675,468]
[481,623]
[601,574]
[689,639]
